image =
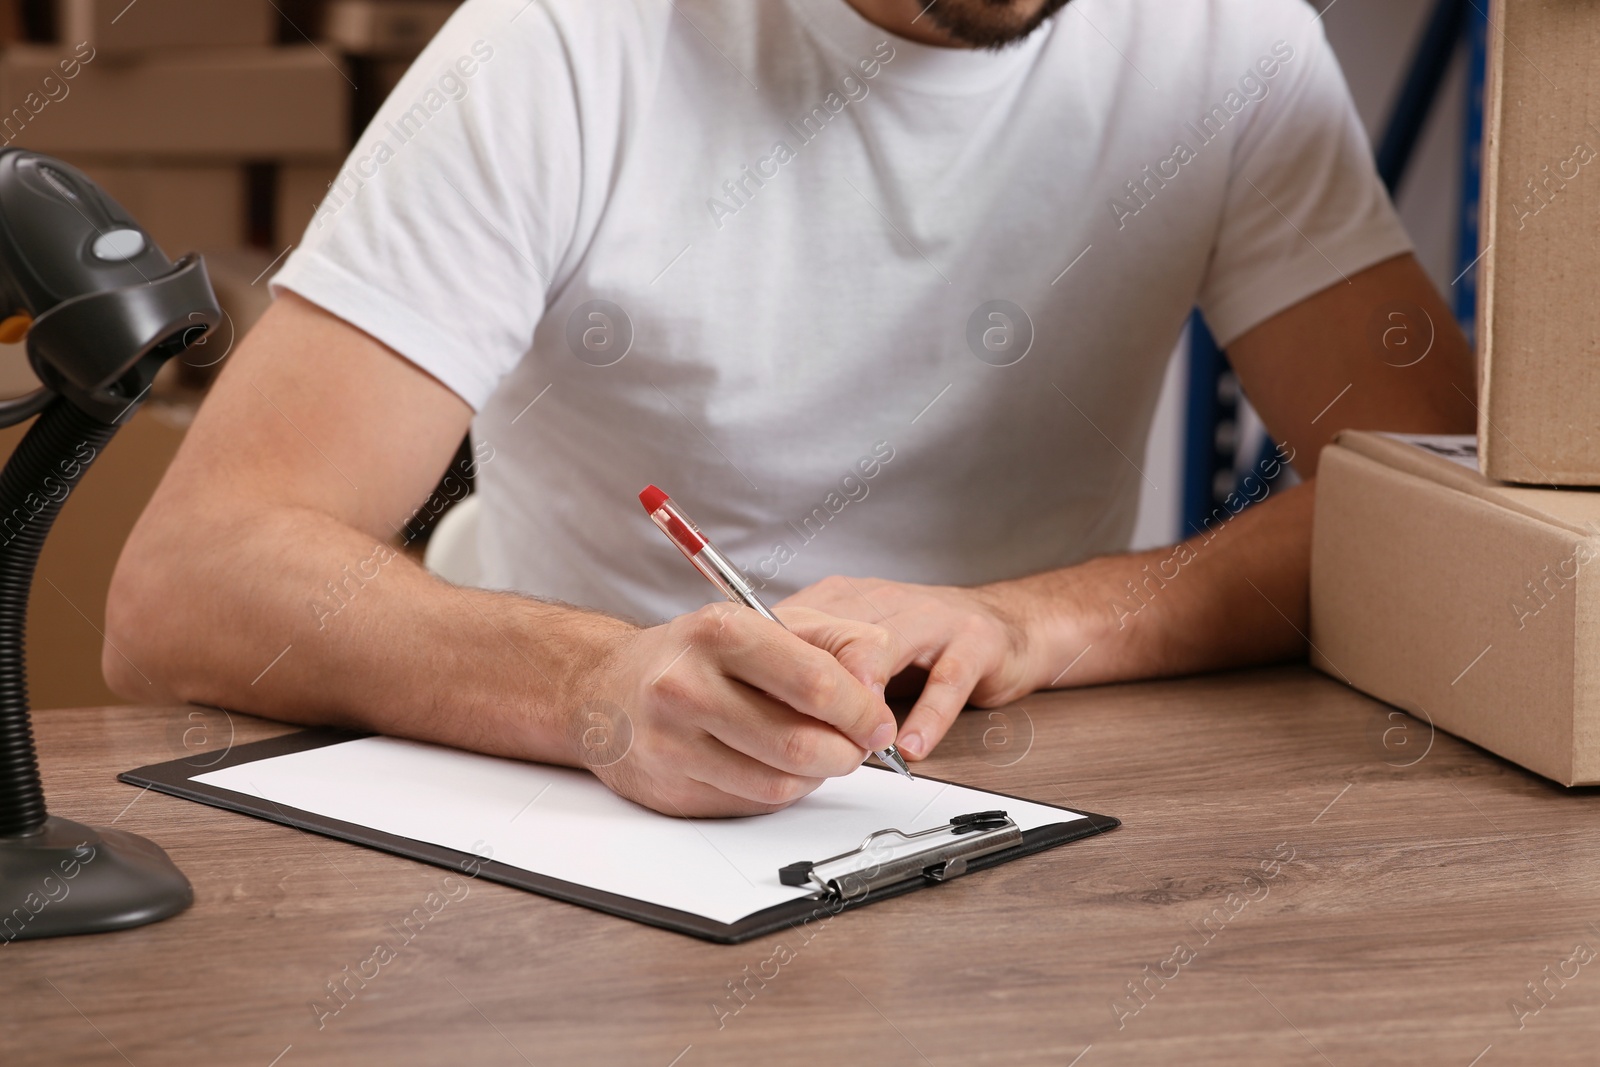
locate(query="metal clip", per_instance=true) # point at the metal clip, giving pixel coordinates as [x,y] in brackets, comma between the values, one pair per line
[890,857]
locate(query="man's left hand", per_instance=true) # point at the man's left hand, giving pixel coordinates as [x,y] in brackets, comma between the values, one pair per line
[973,644]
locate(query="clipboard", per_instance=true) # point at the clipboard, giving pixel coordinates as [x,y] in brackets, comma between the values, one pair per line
[886,865]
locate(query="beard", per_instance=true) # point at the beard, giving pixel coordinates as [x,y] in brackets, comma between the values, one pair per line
[991,24]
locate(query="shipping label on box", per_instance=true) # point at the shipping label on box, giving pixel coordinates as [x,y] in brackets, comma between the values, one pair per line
[1469,603]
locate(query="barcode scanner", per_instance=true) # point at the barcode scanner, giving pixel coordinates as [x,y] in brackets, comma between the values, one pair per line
[99,303]
[101,308]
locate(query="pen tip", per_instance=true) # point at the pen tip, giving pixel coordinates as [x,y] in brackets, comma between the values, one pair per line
[892,759]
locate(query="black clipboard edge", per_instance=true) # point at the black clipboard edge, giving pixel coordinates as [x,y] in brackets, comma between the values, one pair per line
[174,778]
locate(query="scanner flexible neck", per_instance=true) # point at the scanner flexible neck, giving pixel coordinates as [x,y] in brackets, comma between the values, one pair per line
[45,468]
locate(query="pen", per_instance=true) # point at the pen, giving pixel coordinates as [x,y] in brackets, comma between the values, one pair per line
[721,572]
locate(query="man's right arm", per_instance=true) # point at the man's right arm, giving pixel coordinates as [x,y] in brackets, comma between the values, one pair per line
[314,448]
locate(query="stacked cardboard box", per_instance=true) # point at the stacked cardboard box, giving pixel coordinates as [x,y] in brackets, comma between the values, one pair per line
[1459,595]
[377,41]
[1539,323]
[380,39]
[395,29]
[1471,603]
[121,29]
[169,103]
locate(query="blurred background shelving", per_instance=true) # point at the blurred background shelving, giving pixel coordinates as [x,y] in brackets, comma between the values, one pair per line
[1415,70]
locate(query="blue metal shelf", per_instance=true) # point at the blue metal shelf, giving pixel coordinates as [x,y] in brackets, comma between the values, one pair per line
[1211,428]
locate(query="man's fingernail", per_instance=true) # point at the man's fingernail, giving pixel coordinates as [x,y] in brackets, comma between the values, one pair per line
[911,745]
[881,737]
[877,687]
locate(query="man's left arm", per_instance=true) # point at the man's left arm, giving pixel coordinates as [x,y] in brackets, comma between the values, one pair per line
[1377,351]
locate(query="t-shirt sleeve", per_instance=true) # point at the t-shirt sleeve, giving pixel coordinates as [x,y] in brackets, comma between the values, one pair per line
[1304,206]
[449,220]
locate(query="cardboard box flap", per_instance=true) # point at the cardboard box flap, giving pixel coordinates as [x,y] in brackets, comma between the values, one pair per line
[1575,510]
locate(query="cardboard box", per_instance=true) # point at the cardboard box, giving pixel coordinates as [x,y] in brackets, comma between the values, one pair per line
[392,28]
[16,375]
[10,21]
[300,188]
[116,26]
[1539,321]
[185,208]
[1471,604]
[248,103]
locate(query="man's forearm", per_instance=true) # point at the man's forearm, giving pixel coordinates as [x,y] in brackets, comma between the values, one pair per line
[1234,595]
[293,615]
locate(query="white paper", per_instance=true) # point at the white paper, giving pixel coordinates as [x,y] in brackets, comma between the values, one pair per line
[566,824]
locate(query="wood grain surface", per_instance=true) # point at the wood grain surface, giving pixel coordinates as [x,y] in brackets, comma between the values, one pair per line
[1303,877]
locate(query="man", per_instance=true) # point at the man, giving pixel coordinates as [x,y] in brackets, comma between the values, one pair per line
[873,290]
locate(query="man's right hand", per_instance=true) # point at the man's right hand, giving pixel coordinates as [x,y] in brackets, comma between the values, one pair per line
[722,712]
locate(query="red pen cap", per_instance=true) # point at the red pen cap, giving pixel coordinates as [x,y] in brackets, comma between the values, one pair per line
[674,523]
[652,499]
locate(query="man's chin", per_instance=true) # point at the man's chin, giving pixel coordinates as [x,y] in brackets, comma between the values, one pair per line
[992,24]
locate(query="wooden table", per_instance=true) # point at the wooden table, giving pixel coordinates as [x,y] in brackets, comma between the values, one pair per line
[1303,877]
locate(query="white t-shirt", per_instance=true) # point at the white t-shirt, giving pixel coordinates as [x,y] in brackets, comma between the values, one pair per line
[861,306]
